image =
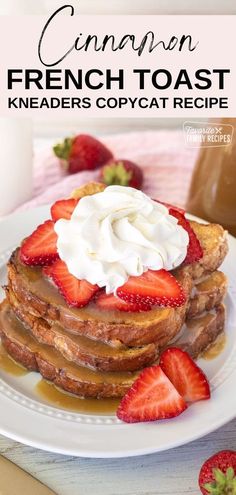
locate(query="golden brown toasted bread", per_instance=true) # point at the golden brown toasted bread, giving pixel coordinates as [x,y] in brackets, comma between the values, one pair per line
[213,239]
[199,333]
[88,190]
[132,329]
[78,380]
[207,293]
[83,350]
[82,381]
[97,355]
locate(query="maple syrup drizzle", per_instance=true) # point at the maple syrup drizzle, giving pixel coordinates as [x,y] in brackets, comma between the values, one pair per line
[47,391]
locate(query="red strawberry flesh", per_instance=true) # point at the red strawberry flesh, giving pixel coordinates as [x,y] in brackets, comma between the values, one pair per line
[194,252]
[63,209]
[40,248]
[186,376]
[154,287]
[76,292]
[151,397]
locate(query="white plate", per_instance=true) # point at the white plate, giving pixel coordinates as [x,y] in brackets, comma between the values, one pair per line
[27,418]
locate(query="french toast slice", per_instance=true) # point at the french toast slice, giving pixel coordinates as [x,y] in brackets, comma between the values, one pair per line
[83,350]
[81,381]
[213,239]
[198,334]
[207,293]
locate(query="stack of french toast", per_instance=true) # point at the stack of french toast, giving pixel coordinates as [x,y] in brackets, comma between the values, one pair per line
[96,350]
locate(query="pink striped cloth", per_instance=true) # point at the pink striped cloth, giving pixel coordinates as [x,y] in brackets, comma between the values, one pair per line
[166,161]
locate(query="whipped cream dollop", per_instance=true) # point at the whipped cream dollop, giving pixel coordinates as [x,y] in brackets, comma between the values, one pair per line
[117,233]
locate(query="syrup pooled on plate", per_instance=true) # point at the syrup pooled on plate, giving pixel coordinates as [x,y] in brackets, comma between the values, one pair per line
[63,400]
[47,391]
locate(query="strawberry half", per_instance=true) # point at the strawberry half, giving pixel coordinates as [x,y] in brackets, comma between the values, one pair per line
[186,376]
[151,397]
[40,248]
[218,474]
[76,292]
[154,287]
[194,252]
[63,209]
[109,302]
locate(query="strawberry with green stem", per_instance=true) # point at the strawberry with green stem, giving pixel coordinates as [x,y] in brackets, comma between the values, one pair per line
[82,152]
[122,173]
[218,474]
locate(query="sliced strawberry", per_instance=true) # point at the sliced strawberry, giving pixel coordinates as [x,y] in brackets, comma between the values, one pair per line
[109,302]
[63,209]
[76,292]
[151,397]
[154,287]
[194,252]
[185,375]
[40,248]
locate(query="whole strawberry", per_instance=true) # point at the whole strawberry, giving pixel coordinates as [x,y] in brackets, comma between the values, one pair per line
[122,173]
[82,152]
[217,475]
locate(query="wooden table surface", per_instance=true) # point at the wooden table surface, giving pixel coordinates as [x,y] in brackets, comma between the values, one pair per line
[174,472]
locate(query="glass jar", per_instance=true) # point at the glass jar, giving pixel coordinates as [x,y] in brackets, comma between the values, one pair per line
[212,194]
